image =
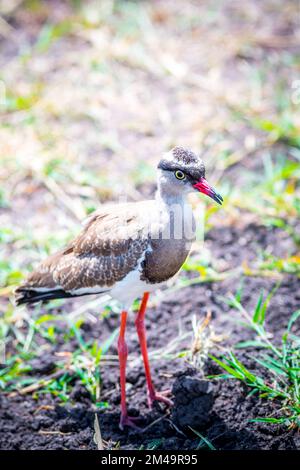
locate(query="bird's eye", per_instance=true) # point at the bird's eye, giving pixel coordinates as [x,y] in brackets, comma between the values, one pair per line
[179,175]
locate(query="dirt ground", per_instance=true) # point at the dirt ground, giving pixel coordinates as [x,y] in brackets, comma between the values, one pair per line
[220,410]
[134,128]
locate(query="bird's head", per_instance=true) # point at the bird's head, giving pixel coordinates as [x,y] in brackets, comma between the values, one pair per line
[182,171]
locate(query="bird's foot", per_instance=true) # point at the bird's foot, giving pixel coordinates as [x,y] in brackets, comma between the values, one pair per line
[129,421]
[162,396]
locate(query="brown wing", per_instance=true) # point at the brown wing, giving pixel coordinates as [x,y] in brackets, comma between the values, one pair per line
[107,249]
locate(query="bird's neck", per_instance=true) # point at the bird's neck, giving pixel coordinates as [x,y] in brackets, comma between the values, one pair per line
[177,217]
[176,212]
[170,200]
[176,203]
[165,196]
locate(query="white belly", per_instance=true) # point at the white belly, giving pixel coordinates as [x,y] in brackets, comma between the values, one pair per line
[130,288]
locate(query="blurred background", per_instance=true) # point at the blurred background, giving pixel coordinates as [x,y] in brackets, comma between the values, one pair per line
[93,92]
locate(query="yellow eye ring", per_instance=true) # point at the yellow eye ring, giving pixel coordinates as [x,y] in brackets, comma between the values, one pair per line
[179,175]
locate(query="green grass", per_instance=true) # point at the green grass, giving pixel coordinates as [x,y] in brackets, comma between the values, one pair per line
[279,376]
[289,265]
[204,442]
[42,331]
[272,195]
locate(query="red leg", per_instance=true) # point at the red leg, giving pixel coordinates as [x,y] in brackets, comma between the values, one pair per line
[140,327]
[123,353]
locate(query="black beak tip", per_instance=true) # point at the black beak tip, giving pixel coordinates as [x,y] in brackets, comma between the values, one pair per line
[218,198]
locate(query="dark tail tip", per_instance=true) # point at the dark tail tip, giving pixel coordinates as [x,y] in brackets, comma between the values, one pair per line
[24,295]
[28,295]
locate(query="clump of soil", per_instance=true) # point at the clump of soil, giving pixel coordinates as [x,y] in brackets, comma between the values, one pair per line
[193,402]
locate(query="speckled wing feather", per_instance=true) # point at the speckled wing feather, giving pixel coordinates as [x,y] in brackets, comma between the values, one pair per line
[108,248]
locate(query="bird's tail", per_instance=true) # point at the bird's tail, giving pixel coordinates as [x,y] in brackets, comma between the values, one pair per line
[31,295]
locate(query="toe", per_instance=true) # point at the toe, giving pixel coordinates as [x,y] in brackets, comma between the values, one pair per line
[160,397]
[129,421]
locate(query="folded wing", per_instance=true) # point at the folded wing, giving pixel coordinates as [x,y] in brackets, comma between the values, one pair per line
[108,248]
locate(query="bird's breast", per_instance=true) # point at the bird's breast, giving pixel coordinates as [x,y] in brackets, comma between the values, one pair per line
[163,260]
[169,247]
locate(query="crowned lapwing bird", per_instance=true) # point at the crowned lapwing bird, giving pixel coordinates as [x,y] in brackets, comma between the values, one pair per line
[128,250]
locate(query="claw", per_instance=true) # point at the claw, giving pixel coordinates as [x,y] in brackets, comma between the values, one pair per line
[160,397]
[129,421]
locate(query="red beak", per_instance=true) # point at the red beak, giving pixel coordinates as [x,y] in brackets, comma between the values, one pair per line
[203,187]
